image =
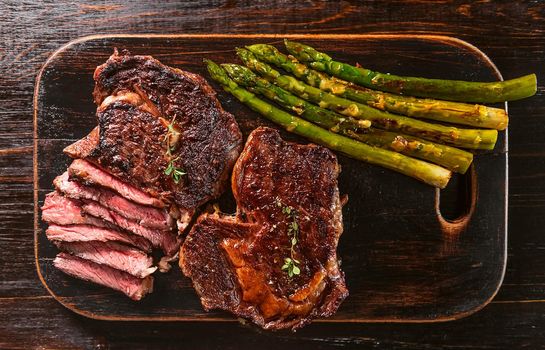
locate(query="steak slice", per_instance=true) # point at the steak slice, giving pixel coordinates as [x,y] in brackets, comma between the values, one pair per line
[238,263]
[118,256]
[144,215]
[135,288]
[163,240]
[90,174]
[60,210]
[145,108]
[86,233]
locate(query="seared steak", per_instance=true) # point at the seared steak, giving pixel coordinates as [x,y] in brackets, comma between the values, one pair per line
[151,118]
[162,148]
[86,233]
[115,255]
[164,240]
[89,174]
[60,210]
[135,288]
[288,206]
[144,215]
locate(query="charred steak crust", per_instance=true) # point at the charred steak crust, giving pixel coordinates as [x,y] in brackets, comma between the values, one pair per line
[132,129]
[218,290]
[131,147]
[235,262]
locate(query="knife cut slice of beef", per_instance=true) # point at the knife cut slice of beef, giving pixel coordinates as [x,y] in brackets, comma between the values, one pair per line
[284,191]
[145,215]
[87,233]
[89,174]
[164,240]
[61,210]
[135,288]
[115,255]
[152,117]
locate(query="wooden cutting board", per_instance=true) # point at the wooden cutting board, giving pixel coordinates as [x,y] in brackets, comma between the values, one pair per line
[410,253]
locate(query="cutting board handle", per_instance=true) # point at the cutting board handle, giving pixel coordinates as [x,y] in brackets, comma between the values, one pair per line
[467,191]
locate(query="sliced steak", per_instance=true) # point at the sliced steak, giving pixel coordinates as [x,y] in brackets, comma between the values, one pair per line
[61,210]
[118,256]
[90,174]
[238,263]
[135,288]
[86,233]
[144,215]
[164,240]
[151,116]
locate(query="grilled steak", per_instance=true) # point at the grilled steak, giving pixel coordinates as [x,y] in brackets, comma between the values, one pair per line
[135,288]
[164,240]
[60,210]
[163,147]
[86,233]
[151,118]
[144,215]
[89,174]
[118,256]
[238,263]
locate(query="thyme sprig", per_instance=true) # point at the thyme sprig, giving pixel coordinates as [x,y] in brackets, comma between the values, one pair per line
[290,263]
[170,135]
[172,170]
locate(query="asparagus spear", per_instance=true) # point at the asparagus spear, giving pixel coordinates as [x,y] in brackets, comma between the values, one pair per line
[464,138]
[448,157]
[445,111]
[328,119]
[455,90]
[429,173]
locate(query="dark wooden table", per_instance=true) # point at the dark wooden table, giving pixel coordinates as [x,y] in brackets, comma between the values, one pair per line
[511,33]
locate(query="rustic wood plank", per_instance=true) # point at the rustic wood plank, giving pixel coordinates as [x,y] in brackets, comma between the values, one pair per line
[61,329]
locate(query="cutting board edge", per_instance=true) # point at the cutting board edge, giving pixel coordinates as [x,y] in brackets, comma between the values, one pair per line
[432,37]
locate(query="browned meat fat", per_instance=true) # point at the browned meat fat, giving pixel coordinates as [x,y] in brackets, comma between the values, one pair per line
[238,263]
[115,255]
[135,288]
[150,117]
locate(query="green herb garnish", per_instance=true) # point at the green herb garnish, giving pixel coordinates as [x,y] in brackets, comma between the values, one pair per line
[172,170]
[171,134]
[290,263]
[291,267]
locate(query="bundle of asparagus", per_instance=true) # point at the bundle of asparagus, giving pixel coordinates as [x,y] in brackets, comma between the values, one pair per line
[372,125]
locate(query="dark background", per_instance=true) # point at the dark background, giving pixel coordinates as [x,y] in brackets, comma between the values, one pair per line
[511,33]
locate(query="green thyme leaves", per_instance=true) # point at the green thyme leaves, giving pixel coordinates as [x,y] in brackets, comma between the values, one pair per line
[174,172]
[290,267]
[171,138]
[290,263]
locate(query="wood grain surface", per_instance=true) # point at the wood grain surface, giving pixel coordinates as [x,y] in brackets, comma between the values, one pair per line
[511,33]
